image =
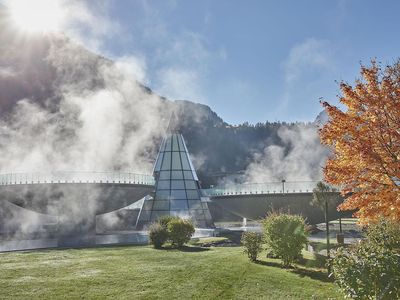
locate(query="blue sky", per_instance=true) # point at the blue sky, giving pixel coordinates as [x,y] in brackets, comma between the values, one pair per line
[248,60]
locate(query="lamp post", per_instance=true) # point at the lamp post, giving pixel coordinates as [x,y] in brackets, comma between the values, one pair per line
[283,186]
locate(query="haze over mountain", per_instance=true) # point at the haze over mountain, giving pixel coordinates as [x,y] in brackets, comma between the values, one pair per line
[63,107]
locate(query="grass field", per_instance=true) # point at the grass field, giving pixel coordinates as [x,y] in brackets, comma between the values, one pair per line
[140,272]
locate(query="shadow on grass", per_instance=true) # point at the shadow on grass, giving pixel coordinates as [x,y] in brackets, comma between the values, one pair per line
[320,275]
[313,274]
[185,248]
[269,263]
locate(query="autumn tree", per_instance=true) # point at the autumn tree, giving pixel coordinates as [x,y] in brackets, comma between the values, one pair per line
[365,143]
[324,196]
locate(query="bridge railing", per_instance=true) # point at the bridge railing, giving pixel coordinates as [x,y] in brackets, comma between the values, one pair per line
[75,177]
[262,188]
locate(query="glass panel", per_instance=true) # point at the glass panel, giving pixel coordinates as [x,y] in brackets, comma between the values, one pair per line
[162,195]
[179,205]
[162,148]
[145,215]
[159,161]
[163,185]
[207,214]
[178,194]
[192,194]
[194,204]
[174,143]
[165,174]
[147,205]
[180,213]
[180,140]
[188,174]
[176,175]
[194,174]
[204,205]
[161,205]
[177,185]
[176,162]
[197,214]
[185,162]
[158,214]
[168,144]
[166,165]
[190,184]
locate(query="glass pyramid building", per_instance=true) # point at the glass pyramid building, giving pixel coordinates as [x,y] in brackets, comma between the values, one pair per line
[177,188]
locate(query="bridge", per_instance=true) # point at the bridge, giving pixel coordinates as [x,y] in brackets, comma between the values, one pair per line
[286,187]
[76,177]
[254,200]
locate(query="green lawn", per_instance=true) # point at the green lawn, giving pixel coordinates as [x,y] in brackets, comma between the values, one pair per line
[140,272]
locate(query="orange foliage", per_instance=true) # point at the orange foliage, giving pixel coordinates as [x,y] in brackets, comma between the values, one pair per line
[365,143]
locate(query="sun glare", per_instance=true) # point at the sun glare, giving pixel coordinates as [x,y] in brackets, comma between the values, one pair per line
[38,15]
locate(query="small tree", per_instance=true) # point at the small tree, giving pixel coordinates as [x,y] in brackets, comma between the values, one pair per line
[285,235]
[252,243]
[323,195]
[158,235]
[180,231]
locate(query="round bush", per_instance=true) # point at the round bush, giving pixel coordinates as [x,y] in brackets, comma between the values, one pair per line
[285,236]
[158,235]
[180,231]
[252,243]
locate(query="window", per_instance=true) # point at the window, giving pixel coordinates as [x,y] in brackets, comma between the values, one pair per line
[176,175]
[179,205]
[159,161]
[188,175]
[190,184]
[166,164]
[197,214]
[194,204]
[158,214]
[185,162]
[180,140]
[162,195]
[178,194]
[174,143]
[177,185]
[165,175]
[163,185]
[192,194]
[176,161]
[147,205]
[168,145]
[161,205]
[145,215]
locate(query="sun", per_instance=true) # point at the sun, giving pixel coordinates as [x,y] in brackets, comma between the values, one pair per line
[37,15]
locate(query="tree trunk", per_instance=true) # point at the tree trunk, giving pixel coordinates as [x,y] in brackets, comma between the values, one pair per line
[327,230]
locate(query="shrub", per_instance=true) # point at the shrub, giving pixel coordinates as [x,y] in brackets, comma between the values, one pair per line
[285,236]
[158,235]
[384,233]
[180,231]
[371,269]
[252,242]
[164,220]
[367,271]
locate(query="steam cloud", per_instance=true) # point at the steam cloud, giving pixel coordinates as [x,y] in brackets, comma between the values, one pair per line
[302,162]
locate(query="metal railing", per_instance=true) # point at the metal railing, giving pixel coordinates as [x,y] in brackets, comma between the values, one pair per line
[75,177]
[262,188]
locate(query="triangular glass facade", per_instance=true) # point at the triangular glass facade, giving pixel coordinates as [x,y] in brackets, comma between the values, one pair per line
[177,189]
